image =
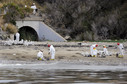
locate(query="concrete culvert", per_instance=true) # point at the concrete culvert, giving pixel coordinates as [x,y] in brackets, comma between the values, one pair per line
[28,33]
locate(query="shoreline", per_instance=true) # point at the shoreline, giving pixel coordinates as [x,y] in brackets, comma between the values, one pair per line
[57,65]
[73,62]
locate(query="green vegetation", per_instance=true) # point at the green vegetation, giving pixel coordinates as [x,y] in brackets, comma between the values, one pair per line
[92,20]
[11,11]
[15,12]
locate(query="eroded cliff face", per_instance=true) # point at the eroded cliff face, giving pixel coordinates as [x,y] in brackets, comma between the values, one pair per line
[87,19]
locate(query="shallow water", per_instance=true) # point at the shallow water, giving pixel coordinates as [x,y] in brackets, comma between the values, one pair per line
[55,73]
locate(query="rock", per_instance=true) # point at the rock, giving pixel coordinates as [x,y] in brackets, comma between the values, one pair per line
[67,37]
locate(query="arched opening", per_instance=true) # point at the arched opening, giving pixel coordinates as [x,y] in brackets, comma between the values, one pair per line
[28,33]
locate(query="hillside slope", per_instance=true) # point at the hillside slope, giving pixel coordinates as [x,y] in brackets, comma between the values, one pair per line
[77,19]
[87,19]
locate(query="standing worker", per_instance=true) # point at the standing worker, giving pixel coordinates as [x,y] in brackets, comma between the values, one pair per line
[93,50]
[17,37]
[105,50]
[52,52]
[34,8]
[40,55]
[121,49]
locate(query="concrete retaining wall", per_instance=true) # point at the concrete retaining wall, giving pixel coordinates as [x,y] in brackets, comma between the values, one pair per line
[47,33]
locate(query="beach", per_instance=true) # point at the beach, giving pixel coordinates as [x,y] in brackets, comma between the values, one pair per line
[66,52]
[19,64]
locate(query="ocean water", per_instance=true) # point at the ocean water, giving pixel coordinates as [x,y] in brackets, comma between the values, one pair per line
[58,73]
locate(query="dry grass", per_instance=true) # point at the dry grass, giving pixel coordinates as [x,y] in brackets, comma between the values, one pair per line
[11,28]
[1,22]
[1,5]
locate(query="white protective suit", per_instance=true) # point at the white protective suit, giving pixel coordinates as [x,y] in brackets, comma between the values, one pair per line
[17,37]
[121,49]
[34,8]
[92,51]
[40,55]
[105,51]
[52,52]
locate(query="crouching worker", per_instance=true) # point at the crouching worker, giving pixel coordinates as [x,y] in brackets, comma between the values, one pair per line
[40,55]
[121,50]
[93,50]
[52,52]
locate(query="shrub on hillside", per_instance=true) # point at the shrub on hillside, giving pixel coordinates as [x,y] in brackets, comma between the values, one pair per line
[15,12]
[11,28]
[1,5]
[104,19]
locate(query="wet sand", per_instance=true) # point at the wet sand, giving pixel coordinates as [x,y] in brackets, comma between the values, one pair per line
[66,52]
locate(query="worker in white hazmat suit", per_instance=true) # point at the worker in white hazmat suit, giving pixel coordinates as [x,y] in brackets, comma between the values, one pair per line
[17,37]
[121,49]
[93,50]
[105,50]
[40,55]
[52,51]
[34,8]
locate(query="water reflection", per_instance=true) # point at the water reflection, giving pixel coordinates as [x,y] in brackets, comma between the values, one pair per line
[58,76]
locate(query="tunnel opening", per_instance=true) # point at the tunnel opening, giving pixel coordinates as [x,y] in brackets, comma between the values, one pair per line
[28,33]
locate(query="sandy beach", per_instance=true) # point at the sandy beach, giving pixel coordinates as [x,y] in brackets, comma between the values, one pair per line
[66,52]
